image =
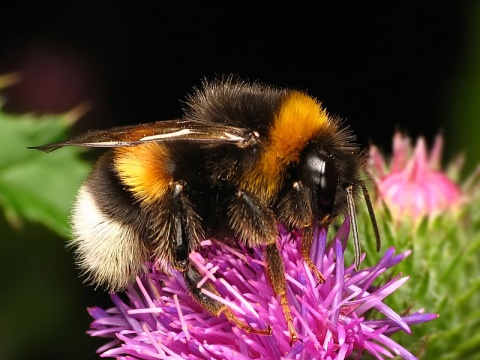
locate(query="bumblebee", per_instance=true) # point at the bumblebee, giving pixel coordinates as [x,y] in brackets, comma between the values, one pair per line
[244,158]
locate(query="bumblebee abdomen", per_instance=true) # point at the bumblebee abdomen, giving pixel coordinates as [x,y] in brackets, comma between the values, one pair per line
[108,233]
[145,170]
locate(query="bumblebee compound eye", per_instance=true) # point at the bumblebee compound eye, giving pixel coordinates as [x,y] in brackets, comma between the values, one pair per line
[320,174]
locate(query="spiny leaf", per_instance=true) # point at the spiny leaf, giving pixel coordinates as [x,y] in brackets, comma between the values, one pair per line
[36,186]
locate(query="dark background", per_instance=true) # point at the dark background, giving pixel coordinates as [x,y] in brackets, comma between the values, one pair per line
[377,66]
[381,66]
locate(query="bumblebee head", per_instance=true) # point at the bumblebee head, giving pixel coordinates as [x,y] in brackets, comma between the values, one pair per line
[318,172]
[332,173]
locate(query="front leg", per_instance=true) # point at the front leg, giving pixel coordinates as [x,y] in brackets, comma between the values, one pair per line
[255,224]
[295,210]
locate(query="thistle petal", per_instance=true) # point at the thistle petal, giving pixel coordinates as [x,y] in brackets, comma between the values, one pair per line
[158,319]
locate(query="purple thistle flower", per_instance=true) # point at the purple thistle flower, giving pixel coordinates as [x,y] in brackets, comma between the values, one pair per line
[159,319]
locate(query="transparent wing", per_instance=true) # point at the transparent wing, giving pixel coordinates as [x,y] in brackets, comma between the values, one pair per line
[159,131]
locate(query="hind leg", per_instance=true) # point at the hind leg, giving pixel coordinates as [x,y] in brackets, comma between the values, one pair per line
[192,278]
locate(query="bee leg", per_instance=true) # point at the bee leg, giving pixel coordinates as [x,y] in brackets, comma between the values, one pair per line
[276,274]
[307,240]
[183,230]
[255,224]
[295,209]
[177,228]
[214,307]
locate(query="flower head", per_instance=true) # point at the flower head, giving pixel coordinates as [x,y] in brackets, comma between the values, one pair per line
[414,184]
[159,320]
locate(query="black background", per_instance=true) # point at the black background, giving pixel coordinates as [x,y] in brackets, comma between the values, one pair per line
[380,65]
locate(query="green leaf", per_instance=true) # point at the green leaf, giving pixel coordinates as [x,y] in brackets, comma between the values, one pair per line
[36,186]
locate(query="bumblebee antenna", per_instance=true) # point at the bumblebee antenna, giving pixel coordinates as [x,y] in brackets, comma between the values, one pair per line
[353,223]
[371,213]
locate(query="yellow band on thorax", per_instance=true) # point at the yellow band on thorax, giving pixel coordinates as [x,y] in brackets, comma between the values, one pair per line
[299,120]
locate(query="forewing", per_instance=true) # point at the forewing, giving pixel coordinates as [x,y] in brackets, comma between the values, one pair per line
[159,131]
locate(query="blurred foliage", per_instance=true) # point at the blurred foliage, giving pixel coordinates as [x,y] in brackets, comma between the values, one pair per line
[444,270]
[43,303]
[35,186]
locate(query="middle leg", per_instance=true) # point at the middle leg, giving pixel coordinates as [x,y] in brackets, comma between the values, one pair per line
[255,224]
